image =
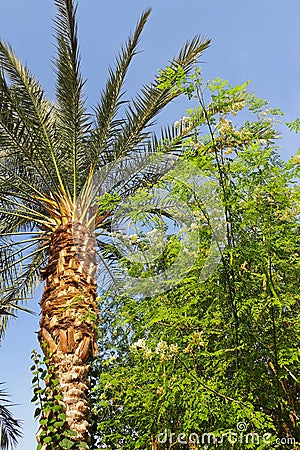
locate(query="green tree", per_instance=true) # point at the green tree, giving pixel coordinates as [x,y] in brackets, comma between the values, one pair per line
[49,155]
[217,357]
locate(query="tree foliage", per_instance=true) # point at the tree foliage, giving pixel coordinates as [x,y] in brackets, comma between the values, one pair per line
[216,360]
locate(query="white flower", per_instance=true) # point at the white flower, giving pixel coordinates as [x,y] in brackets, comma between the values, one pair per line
[296,159]
[118,234]
[186,124]
[156,236]
[177,124]
[153,231]
[161,347]
[134,238]
[160,245]
[174,349]
[139,345]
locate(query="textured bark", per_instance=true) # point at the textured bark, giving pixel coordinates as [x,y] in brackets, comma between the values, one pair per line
[69,319]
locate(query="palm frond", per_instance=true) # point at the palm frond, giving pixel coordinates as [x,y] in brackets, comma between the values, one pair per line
[25,284]
[10,428]
[111,97]
[125,175]
[70,110]
[141,112]
[8,310]
[27,129]
[18,179]
[24,216]
[20,206]
[21,289]
[20,263]
[107,265]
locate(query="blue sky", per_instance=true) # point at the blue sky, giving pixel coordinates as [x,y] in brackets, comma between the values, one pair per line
[256,40]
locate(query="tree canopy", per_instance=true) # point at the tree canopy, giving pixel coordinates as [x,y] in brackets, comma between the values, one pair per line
[213,360]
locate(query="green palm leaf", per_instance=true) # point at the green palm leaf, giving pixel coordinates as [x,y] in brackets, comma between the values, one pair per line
[141,112]
[26,118]
[71,116]
[10,428]
[107,123]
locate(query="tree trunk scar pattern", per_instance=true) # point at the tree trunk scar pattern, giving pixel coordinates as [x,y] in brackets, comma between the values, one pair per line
[69,317]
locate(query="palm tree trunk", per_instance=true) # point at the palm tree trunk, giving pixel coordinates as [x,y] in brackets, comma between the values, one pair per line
[69,319]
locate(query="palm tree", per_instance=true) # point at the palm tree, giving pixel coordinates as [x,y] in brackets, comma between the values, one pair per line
[49,155]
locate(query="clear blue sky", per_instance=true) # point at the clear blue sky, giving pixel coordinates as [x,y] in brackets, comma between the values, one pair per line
[255,39]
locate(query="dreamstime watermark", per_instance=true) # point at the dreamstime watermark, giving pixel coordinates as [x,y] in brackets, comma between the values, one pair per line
[232,437]
[129,234]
